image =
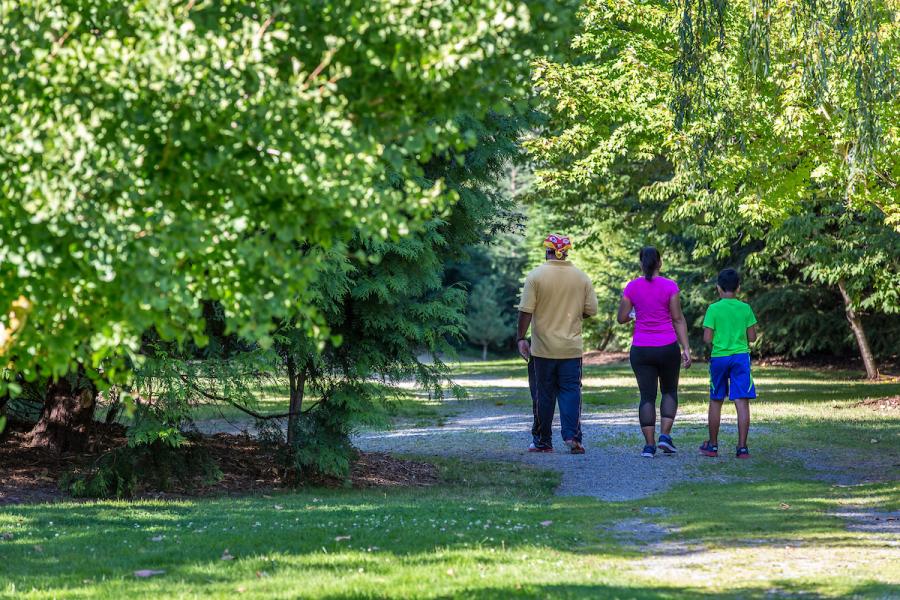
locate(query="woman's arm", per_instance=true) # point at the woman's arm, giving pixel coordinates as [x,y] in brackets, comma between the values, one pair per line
[680,324]
[625,307]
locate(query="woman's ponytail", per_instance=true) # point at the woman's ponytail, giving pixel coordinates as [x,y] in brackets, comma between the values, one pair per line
[650,261]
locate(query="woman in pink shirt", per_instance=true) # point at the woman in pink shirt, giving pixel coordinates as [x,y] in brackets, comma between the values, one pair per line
[659,328]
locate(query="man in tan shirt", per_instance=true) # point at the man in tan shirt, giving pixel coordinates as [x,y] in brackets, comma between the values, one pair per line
[556,297]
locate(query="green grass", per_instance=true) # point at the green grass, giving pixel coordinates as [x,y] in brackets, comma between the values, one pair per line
[483,532]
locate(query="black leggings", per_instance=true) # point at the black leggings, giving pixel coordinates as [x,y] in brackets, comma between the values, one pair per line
[652,365]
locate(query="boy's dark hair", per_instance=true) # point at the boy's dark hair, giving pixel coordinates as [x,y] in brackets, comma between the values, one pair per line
[728,280]
[650,261]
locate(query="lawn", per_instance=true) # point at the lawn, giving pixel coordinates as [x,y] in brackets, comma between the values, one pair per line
[772,528]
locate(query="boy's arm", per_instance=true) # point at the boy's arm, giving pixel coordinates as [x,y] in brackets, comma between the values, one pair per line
[751,326]
[708,335]
[751,334]
[709,326]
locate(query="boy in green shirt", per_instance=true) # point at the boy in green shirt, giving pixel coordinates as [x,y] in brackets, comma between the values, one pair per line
[730,325]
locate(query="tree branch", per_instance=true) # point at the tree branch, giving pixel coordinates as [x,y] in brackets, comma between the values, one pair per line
[244,409]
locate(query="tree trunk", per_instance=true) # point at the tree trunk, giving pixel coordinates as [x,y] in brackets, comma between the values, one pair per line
[861,339]
[67,415]
[484,352]
[607,337]
[115,407]
[297,385]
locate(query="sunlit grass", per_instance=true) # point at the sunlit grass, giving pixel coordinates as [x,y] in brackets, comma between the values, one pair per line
[491,531]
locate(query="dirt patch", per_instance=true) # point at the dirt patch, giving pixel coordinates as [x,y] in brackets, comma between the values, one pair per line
[645,536]
[872,521]
[889,367]
[850,467]
[599,358]
[31,475]
[891,403]
[376,469]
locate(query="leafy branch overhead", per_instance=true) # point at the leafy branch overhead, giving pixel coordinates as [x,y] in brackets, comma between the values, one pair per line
[159,155]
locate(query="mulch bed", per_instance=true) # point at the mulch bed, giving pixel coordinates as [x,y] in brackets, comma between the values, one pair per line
[889,367]
[890,403]
[30,475]
[601,358]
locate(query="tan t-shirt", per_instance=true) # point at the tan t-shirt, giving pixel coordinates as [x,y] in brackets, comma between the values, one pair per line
[557,294]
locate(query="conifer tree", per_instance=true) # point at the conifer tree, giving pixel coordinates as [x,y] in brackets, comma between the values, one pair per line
[486,322]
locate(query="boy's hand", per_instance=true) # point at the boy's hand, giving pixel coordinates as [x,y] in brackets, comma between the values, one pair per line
[686,358]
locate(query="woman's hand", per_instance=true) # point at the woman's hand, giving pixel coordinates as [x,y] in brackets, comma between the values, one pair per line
[626,311]
[686,358]
[524,349]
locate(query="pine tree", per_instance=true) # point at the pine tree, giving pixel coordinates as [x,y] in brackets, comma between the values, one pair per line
[486,322]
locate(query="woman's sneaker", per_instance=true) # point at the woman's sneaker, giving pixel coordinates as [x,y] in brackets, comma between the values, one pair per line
[743,452]
[535,448]
[648,451]
[666,443]
[707,449]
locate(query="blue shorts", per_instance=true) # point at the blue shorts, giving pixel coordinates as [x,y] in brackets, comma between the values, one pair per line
[730,375]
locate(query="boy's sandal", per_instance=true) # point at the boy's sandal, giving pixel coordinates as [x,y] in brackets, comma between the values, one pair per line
[708,449]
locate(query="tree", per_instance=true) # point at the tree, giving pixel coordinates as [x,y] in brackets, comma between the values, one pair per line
[765,169]
[384,301]
[806,167]
[486,322]
[388,302]
[160,156]
[838,58]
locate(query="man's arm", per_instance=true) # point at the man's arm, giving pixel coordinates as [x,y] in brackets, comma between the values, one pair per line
[590,302]
[521,330]
[708,335]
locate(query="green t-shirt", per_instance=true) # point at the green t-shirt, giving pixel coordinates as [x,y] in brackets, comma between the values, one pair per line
[729,319]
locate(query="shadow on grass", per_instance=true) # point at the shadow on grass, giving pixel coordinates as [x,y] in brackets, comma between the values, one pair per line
[486,507]
[599,590]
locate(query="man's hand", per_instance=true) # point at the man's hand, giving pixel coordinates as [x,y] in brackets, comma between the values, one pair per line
[686,358]
[525,349]
[521,331]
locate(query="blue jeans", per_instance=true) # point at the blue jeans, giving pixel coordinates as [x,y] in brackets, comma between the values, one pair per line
[553,380]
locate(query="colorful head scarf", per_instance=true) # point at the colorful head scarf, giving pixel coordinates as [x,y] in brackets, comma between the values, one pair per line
[560,244]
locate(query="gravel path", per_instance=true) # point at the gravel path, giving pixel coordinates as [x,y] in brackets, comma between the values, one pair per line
[612,469]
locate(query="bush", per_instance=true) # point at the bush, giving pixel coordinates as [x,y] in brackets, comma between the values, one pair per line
[321,441]
[157,466]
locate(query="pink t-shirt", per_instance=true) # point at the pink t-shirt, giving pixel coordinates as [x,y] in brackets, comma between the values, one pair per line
[652,321]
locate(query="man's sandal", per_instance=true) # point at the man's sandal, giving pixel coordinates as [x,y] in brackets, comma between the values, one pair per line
[575,447]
